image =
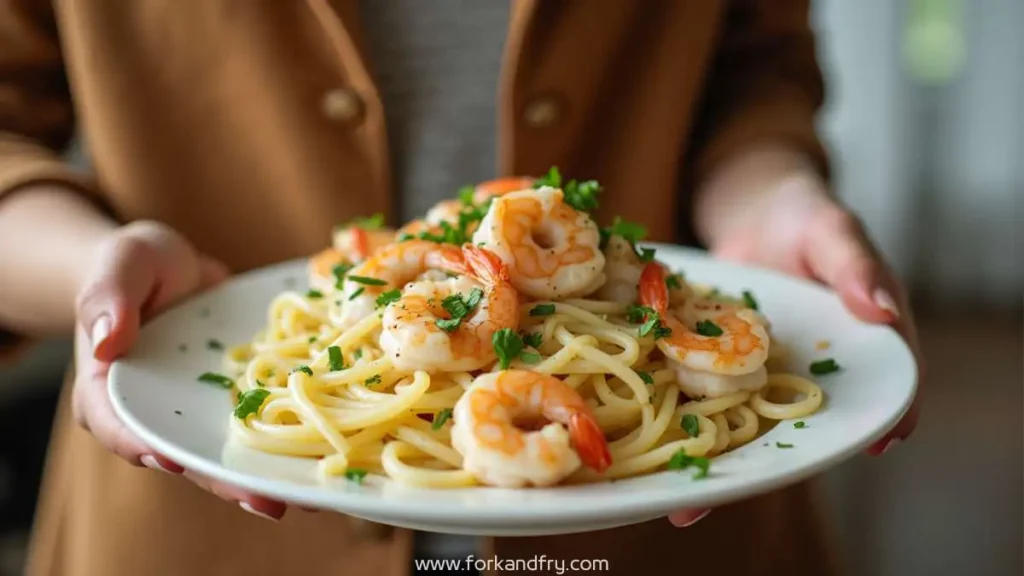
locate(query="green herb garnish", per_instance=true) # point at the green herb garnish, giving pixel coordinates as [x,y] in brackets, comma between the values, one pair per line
[313,294]
[441,418]
[356,294]
[260,383]
[214,344]
[553,179]
[178,412]
[458,308]
[673,282]
[466,195]
[356,475]
[542,310]
[783,445]
[826,366]
[800,424]
[404,236]
[218,379]
[529,357]
[748,299]
[507,345]
[388,297]
[339,271]
[302,368]
[680,461]
[375,379]
[334,358]
[708,328]
[367,280]
[374,222]
[646,377]
[690,424]
[647,254]
[250,401]
[533,339]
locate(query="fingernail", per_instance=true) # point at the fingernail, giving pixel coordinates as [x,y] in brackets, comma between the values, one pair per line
[889,445]
[150,461]
[695,519]
[886,302]
[100,330]
[248,508]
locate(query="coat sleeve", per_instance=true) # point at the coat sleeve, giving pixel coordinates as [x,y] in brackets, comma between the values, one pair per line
[764,84]
[36,115]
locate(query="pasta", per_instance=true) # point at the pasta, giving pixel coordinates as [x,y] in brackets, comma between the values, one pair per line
[318,382]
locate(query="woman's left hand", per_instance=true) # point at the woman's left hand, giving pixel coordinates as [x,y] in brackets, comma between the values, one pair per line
[793,225]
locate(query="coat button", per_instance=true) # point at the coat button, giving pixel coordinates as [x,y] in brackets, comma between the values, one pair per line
[342,105]
[542,112]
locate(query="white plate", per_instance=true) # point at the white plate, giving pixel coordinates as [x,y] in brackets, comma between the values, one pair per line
[866,398]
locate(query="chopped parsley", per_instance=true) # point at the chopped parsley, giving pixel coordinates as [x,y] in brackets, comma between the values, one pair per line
[646,377]
[302,368]
[458,307]
[580,195]
[260,383]
[374,222]
[507,345]
[250,401]
[630,231]
[680,461]
[405,236]
[542,310]
[690,424]
[356,475]
[783,445]
[708,328]
[649,320]
[441,418]
[356,294]
[388,297]
[826,366]
[529,357]
[339,271]
[358,354]
[214,344]
[749,300]
[375,379]
[178,412]
[647,255]
[553,179]
[466,195]
[335,359]
[311,339]
[367,280]
[218,379]
[314,294]
[533,339]
[800,424]
[673,282]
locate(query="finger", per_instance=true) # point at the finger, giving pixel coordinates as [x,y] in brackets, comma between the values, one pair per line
[839,254]
[109,304]
[253,503]
[687,518]
[211,272]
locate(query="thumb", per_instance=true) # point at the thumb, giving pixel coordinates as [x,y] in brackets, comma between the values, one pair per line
[211,272]
[109,304]
[838,253]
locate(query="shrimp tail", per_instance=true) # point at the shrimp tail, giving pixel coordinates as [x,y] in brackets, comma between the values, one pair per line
[589,442]
[485,265]
[653,290]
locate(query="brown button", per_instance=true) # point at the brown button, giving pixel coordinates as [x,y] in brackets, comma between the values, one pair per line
[342,105]
[542,112]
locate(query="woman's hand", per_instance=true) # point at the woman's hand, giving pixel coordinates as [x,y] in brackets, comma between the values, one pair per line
[773,211]
[139,270]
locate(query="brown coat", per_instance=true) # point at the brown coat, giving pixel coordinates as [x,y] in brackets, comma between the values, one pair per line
[254,126]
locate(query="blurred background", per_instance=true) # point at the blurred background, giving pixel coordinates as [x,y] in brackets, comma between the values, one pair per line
[925,121]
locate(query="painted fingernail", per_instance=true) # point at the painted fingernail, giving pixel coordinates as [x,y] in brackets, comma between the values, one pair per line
[888,445]
[150,461]
[100,330]
[695,519]
[248,508]
[886,302]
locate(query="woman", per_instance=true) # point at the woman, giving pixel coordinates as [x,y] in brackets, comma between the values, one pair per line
[247,129]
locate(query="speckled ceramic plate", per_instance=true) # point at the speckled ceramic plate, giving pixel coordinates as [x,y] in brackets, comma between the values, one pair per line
[155,392]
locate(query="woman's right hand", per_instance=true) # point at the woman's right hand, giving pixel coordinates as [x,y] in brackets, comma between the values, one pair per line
[139,270]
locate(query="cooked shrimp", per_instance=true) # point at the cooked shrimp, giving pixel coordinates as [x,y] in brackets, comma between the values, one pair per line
[412,337]
[696,309]
[622,271]
[740,349]
[500,453]
[390,267]
[698,384]
[552,250]
[449,210]
[350,246]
